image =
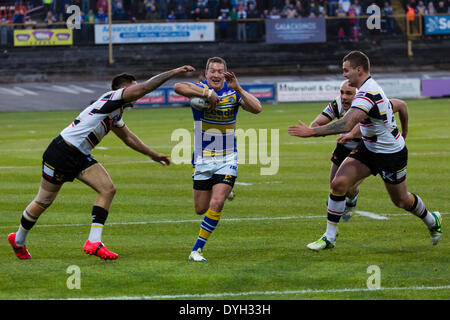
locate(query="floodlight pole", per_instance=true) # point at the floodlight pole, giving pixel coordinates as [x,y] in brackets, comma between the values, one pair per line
[111,59]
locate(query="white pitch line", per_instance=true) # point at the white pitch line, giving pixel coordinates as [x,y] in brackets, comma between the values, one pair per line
[371,215]
[267,293]
[197,221]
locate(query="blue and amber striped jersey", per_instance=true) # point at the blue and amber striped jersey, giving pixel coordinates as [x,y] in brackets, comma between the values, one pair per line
[215,129]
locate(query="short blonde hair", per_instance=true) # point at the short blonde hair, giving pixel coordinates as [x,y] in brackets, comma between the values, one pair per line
[216,60]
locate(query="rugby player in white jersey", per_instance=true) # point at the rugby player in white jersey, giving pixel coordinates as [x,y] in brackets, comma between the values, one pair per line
[68,157]
[381,151]
[349,141]
[215,155]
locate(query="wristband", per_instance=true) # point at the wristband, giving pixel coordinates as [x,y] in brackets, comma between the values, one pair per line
[210,93]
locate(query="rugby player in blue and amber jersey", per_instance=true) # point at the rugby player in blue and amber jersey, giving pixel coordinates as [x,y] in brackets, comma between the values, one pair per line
[214,158]
[68,157]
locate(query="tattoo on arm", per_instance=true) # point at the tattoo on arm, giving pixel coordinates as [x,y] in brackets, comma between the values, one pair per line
[157,80]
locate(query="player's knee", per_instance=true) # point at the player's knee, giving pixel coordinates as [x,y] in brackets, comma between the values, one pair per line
[200,210]
[339,186]
[216,204]
[402,202]
[108,191]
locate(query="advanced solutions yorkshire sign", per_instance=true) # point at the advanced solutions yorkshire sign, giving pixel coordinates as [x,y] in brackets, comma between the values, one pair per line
[437,24]
[155,32]
[302,30]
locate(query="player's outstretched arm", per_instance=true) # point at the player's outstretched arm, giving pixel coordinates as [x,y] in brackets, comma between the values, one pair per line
[345,124]
[134,92]
[133,141]
[249,102]
[401,107]
[320,120]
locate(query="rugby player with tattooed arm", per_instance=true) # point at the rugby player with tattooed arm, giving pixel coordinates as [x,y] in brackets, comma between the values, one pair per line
[68,157]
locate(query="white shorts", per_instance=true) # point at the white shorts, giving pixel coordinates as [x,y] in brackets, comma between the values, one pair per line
[207,167]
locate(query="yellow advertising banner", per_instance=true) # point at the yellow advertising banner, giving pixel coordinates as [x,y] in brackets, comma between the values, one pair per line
[43,37]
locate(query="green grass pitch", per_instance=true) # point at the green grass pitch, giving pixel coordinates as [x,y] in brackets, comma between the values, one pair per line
[258,250]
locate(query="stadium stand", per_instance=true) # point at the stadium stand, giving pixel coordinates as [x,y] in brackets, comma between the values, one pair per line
[387,47]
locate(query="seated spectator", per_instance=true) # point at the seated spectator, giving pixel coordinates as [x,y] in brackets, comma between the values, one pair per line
[102,17]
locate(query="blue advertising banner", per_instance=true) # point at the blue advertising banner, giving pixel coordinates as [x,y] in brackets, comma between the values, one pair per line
[302,30]
[437,24]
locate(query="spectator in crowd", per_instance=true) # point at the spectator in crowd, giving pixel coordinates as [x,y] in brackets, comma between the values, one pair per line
[163,8]
[253,26]
[289,10]
[224,6]
[205,13]
[302,9]
[241,26]
[196,14]
[85,5]
[430,8]
[345,4]
[19,17]
[153,14]
[180,13]
[223,25]
[233,23]
[103,5]
[90,16]
[171,16]
[387,13]
[332,8]
[50,19]
[274,13]
[441,8]
[420,8]
[102,17]
[357,8]
[118,12]
[202,4]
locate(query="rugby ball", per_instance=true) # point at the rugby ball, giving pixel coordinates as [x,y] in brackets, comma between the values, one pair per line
[199,103]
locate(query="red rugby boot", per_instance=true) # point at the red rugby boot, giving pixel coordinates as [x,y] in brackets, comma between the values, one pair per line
[21,252]
[99,249]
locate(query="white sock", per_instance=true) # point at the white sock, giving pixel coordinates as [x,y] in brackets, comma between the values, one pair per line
[96,232]
[21,234]
[331,231]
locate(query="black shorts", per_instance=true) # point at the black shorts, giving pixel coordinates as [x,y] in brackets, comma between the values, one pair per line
[390,166]
[215,179]
[62,162]
[339,154]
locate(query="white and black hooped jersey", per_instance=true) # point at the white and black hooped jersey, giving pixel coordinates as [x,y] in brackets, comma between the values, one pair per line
[379,130]
[335,110]
[94,122]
